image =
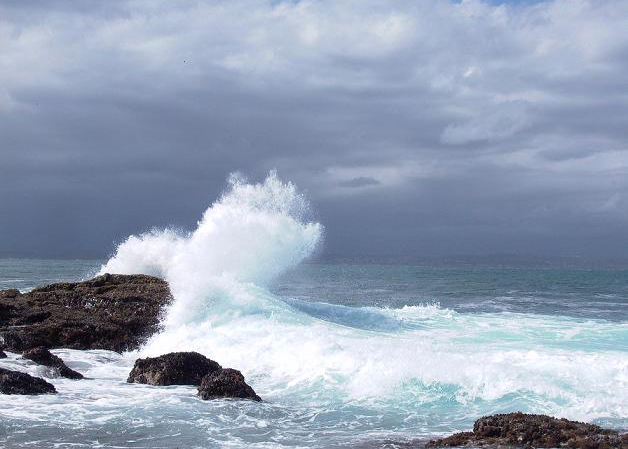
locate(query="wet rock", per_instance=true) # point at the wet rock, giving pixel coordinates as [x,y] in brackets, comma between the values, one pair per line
[44,357]
[226,383]
[539,431]
[114,312]
[175,368]
[2,354]
[15,382]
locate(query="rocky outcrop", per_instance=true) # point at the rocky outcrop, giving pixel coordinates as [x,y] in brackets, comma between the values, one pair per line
[44,357]
[539,431]
[115,312]
[15,382]
[175,368]
[192,368]
[226,383]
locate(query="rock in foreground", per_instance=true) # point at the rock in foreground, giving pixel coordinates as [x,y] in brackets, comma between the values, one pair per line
[175,368]
[226,383]
[15,382]
[44,357]
[114,312]
[192,368]
[522,430]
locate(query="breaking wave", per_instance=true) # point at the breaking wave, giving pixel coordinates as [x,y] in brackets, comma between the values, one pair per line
[402,362]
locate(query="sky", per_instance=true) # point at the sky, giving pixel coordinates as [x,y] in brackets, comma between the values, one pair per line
[415,128]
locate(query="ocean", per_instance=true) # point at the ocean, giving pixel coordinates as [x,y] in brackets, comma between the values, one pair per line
[343,355]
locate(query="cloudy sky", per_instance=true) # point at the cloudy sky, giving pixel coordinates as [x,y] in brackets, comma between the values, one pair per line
[428,127]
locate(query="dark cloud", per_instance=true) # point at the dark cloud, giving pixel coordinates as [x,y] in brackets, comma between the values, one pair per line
[430,128]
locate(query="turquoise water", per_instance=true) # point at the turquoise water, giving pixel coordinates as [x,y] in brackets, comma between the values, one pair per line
[348,356]
[583,293]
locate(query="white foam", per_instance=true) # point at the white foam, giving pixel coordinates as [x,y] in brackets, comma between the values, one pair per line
[333,354]
[251,234]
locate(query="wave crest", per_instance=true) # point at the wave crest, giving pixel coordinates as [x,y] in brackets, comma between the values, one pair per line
[251,234]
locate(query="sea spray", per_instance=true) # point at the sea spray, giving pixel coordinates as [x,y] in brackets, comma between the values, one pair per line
[390,364]
[250,235]
[341,375]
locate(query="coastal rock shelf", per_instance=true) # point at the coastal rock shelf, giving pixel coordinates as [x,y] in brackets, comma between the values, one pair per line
[114,312]
[533,431]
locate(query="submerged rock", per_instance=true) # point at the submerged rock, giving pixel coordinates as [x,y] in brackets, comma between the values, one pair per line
[44,357]
[15,382]
[523,430]
[175,368]
[115,312]
[226,383]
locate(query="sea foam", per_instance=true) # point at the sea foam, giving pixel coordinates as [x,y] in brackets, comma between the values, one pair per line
[250,235]
[330,375]
[330,356]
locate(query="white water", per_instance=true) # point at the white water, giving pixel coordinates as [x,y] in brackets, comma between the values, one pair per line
[329,374]
[250,235]
[219,274]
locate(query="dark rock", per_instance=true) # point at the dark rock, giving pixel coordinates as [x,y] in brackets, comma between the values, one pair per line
[175,368]
[11,293]
[15,382]
[226,383]
[115,312]
[2,354]
[44,357]
[539,431]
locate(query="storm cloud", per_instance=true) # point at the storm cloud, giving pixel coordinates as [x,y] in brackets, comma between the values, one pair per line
[415,128]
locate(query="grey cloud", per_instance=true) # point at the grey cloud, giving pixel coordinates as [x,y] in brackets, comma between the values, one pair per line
[361,181]
[476,126]
[500,122]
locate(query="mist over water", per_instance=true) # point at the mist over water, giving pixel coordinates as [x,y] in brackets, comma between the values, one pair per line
[339,355]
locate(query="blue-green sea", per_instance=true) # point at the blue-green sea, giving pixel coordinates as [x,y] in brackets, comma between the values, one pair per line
[343,355]
[348,355]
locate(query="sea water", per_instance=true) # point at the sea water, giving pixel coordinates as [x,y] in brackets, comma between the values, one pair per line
[344,355]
